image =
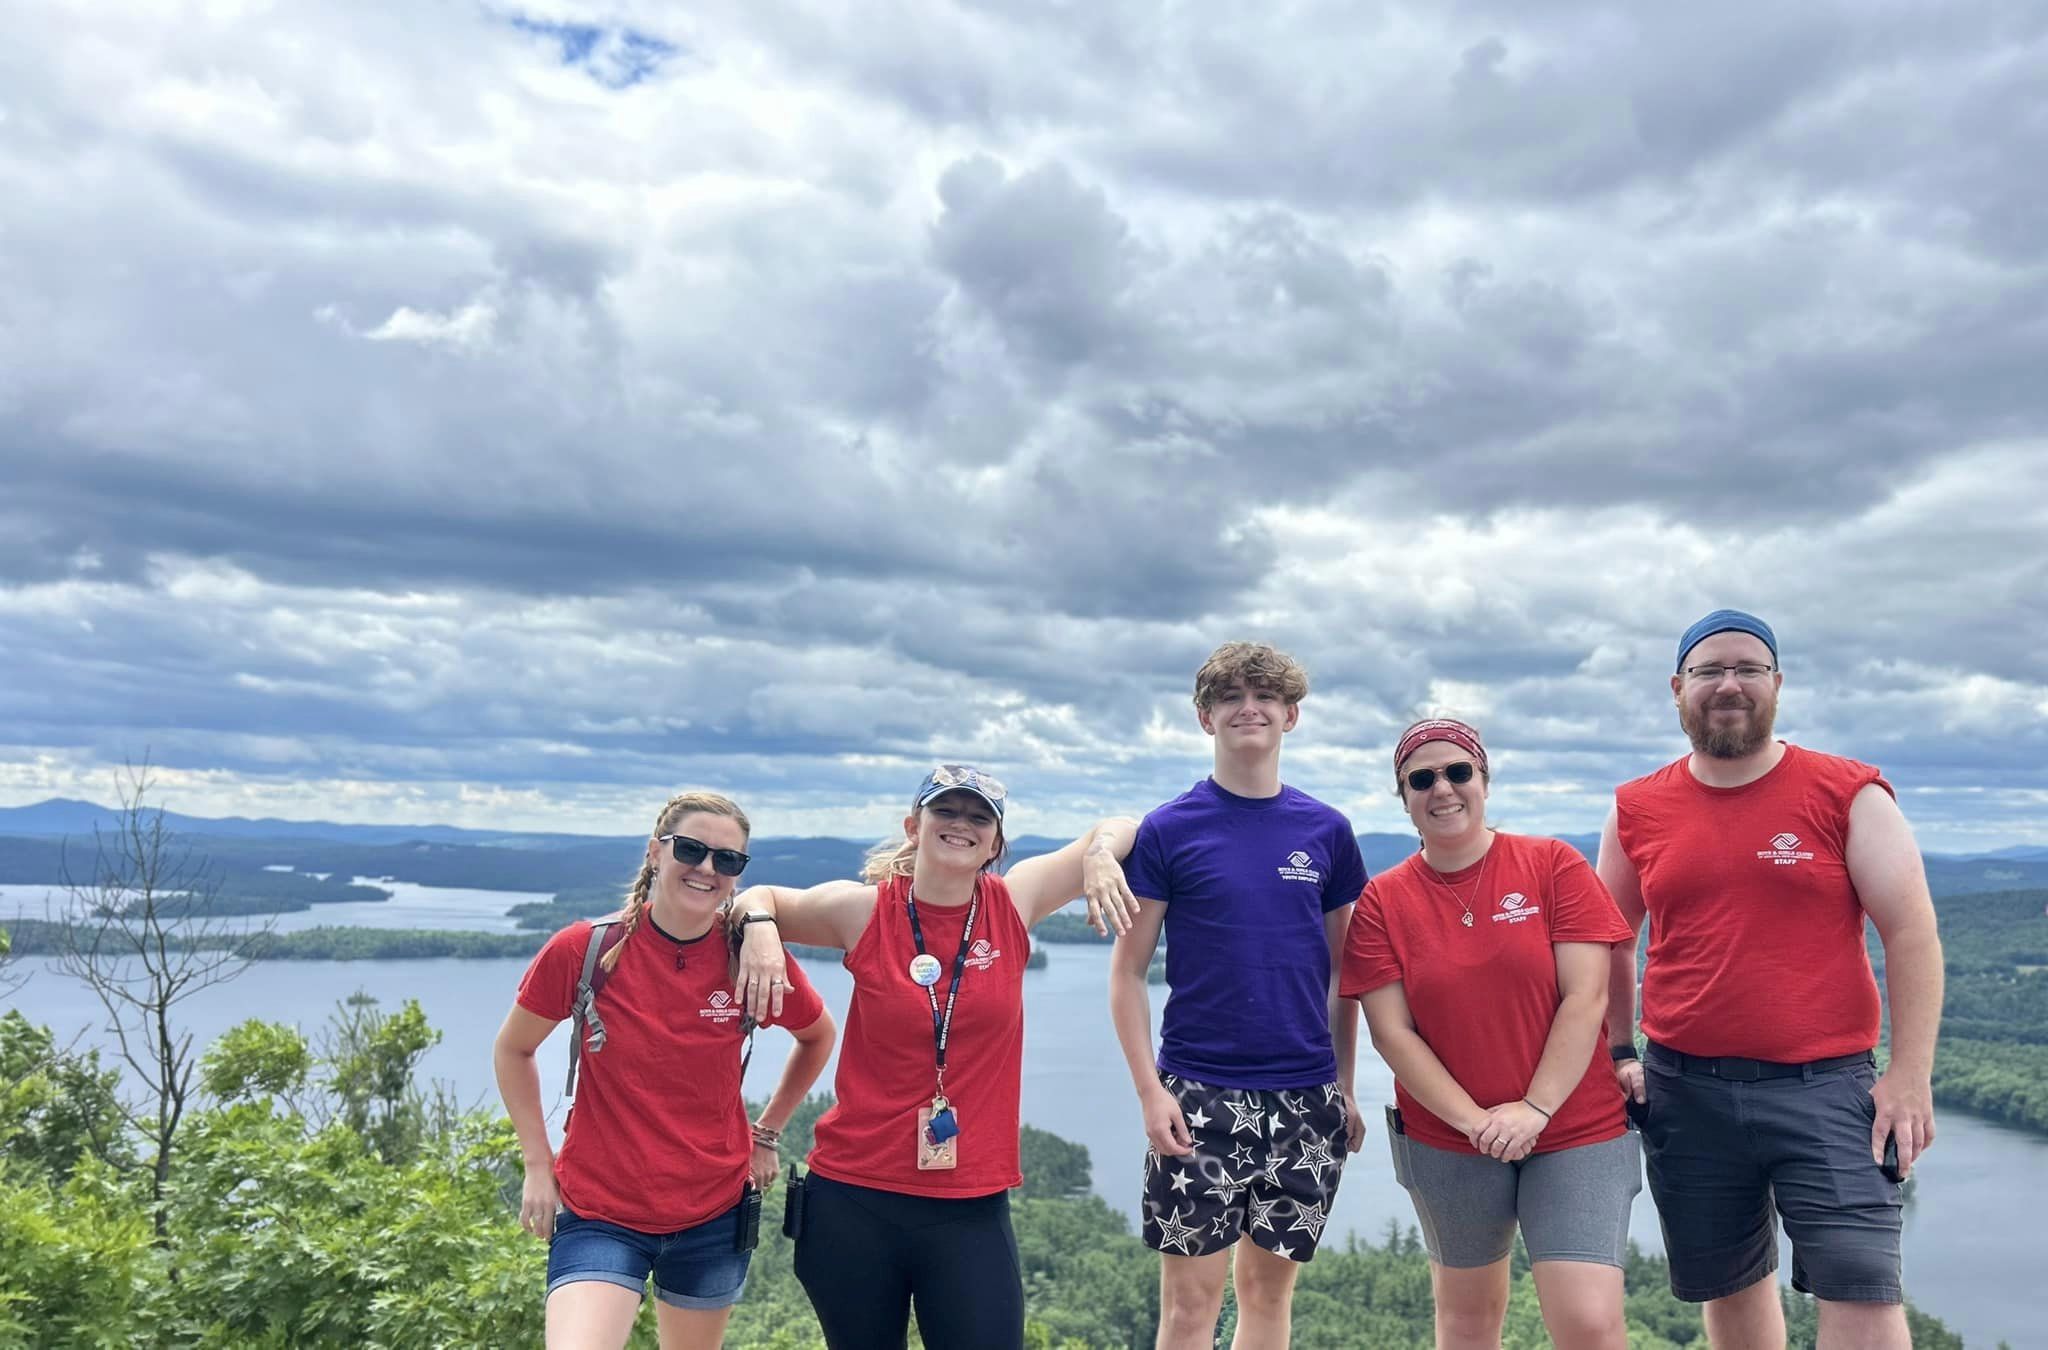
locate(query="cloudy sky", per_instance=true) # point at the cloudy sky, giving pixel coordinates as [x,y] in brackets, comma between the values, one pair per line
[504,416]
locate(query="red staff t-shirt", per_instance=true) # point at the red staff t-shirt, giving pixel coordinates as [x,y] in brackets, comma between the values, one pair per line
[886,1061]
[1756,934]
[1484,997]
[658,1140]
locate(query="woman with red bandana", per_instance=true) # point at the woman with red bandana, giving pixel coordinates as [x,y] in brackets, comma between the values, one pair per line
[1482,966]
[907,1201]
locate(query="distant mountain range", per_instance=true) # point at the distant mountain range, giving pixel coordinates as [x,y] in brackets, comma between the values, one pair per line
[66,816]
[447,855]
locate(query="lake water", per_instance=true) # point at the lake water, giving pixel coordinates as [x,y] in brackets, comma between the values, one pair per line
[1974,1242]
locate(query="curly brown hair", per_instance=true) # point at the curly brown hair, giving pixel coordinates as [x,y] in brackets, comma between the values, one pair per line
[1254,665]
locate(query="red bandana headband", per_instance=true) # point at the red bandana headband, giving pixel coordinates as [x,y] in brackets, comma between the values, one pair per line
[1440,729]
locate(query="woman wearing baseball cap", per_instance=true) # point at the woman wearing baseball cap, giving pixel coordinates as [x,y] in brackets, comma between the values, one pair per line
[907,1200]
[1482,963]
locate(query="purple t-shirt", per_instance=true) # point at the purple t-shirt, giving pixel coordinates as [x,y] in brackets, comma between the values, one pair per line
[1246,882]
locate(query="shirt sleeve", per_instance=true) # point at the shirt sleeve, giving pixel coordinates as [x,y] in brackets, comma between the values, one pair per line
[548,989]
[801,1003]
[1369,957]
[1145,870]
[1580,909]
[1347,868]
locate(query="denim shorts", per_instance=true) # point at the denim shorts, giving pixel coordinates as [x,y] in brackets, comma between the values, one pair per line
[695,1268]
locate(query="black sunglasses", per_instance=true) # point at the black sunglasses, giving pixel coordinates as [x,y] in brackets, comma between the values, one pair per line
[1422,780]
[727,862]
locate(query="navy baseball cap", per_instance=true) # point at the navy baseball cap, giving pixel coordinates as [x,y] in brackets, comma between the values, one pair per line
[962,778]
[1726,621]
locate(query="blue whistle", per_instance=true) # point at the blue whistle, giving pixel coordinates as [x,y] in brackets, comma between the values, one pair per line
[942,1127]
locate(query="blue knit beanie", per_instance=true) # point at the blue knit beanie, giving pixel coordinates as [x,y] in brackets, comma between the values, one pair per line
[1727,621]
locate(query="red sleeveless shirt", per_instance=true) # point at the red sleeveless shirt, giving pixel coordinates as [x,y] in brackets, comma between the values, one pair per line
[887,1060]
[1756,934]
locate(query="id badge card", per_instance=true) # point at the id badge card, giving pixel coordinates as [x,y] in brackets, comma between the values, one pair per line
[935,1157]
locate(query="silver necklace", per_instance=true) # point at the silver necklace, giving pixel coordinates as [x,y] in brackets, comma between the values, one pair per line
[1478,884]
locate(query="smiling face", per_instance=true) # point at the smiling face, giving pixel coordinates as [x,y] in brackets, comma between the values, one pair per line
[1249,719]
[1448,812]
[955,830]
[1727,718]
[688,896]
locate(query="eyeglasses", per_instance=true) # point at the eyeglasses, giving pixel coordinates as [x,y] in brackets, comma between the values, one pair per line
[1748,673]
[727,862]
[948,776]
[1422,780]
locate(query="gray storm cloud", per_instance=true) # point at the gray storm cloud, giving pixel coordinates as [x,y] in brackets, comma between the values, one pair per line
[464,410]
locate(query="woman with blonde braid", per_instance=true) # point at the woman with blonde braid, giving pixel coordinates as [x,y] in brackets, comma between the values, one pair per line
[657,1157]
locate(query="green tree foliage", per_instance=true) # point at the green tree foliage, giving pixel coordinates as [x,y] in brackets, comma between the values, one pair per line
[57,1106]
[2002,1080]
[311,1204]
[372,1061]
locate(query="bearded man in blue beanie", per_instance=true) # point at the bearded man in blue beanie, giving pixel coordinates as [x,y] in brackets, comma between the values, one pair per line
[1757,862]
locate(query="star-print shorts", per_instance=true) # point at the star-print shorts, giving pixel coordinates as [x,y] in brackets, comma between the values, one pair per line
[1265,1164]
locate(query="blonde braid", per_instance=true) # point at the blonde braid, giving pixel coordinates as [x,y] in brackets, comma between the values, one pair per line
[636,905]
[685,803]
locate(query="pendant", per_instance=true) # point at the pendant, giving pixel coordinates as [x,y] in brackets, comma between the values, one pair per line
[924,969]
[1467,919]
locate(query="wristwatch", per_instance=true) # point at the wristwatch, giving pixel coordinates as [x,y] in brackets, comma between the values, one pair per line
[754,916]
[1618,1053]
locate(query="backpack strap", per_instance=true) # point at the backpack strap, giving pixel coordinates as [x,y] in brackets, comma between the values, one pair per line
[586,1024]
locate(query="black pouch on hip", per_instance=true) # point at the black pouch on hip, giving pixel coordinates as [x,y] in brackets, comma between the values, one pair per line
[749,1235]
[793,1204]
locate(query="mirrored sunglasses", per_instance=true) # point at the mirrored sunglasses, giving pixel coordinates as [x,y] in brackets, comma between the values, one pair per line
[967,776]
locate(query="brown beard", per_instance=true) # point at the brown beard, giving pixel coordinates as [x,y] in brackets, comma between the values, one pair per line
[1730,742]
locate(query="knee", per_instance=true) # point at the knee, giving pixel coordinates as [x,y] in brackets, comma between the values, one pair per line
[1475,1317]
[1264,1295]
[1189,1303]
[1586,1322]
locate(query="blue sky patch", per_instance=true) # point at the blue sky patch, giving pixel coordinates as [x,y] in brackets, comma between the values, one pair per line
[617,58]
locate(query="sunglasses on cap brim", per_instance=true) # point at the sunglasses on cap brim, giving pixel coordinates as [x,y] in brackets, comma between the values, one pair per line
[1422,780]
[727,862]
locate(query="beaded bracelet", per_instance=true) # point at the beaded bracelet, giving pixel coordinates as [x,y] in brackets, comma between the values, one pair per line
[765,1137]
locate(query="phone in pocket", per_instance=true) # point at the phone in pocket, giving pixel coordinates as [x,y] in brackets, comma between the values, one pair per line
[749,1235]
[793,1202]
[1394,1125]
[1890,1165]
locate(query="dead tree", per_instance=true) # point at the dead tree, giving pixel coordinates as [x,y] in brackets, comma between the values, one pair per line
[141,934]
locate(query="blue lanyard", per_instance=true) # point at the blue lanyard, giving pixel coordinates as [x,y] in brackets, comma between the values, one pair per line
[942,1024]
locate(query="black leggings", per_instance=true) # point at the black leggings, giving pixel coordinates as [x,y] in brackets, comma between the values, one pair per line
[866,1256]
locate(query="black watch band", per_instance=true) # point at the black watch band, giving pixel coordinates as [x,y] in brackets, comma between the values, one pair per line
[1618,1053]
[754,916]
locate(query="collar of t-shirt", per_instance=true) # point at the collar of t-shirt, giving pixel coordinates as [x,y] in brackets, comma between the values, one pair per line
[678,941]
[1249,803]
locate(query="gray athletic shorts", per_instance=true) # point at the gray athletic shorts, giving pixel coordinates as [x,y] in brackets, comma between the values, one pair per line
[1572,1204]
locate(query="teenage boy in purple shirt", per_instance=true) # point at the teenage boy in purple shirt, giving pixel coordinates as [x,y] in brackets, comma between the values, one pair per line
[1248,1107]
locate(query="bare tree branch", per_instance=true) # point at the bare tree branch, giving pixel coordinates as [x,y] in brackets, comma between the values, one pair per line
[141,931]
